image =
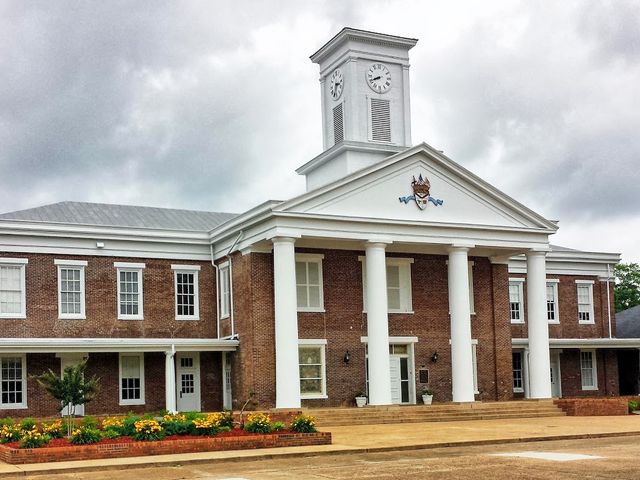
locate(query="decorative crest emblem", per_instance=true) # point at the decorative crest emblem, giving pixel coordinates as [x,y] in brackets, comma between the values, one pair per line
[421,193]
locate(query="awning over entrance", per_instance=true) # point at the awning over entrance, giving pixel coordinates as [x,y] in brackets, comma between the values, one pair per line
[585,343]
[59,345]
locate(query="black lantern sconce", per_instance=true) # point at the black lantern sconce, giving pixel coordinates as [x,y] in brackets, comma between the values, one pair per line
[346,357]
[434,357]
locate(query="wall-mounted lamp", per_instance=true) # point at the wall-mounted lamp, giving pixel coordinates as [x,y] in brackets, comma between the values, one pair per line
[347,357]
[434,357]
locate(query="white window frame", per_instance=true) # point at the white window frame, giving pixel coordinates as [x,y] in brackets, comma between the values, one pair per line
[520,353]
[406,301]
[553,282]
[77,265]
[136,401]
[589,285]
[23,404]
[189,269]
[322,344]
[21,264]
[131,267]
[520,284]
[312,258]
[224,272]
[594,370]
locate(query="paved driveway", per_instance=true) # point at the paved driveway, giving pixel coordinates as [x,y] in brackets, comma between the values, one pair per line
[618,460]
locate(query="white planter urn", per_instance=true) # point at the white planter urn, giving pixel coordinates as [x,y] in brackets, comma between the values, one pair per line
[427,399]
[361,401]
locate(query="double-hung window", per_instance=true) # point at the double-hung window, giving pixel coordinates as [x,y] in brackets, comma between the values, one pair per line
[71,289]
[398,285]
[224,290]
[516,300]
[312,365]
[309,289]
[13,381]
[131,379]
[585,301]
[553,312]
[12,288]
[130,296]
[186,288]
[588,370]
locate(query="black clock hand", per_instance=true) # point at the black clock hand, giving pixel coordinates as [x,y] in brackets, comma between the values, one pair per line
[377,78]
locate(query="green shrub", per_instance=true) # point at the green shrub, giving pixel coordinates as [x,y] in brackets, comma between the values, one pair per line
[89,422]
[129,425]
[633,405]
[9,431]
[28,424]
[226,419]
[304,424]
[6,421]
[208,425]
[147,429]
[53,429]
[110,433]
[277,426]
[85,436]
[258,423]
[32,438]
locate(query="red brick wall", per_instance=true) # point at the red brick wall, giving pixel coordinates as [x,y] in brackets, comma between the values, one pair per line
[106,367]
[568,306]
[593,406]
[343,323]
[101,308]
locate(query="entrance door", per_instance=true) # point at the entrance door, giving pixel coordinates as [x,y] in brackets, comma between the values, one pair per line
[71,360]
[556,390]
[188,381]
[399,371]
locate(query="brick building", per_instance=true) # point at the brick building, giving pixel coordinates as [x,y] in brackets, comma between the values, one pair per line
[397,270]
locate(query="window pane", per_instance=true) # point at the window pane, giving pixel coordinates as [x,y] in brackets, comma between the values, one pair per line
[309,355]
[314,296]
[301,273]
[314,273]
[311,387]
[393,276]
[393,297]
[301,293]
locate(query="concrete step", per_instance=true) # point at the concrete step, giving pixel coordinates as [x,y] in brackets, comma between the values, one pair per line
[452,418]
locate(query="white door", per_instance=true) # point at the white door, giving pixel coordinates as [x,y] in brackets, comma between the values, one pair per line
[556,390]
[70,360]
[226,372]
[188,381]
[396,387]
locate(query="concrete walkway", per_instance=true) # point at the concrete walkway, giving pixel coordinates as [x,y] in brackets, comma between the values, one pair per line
[372,438]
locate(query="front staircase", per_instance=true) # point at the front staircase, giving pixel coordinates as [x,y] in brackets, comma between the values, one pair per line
[441,412]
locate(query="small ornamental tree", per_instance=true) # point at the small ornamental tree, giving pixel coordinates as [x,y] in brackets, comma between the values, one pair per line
[70,389]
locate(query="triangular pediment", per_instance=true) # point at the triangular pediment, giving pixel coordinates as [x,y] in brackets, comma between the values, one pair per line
[376,192]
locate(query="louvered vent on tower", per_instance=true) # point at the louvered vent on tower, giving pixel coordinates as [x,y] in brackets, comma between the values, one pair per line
[338,124]
[380,120]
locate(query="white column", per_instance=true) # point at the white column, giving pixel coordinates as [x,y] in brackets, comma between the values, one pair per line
[377,324]
[461,357]
[286,323]
[170,381]
[539,364]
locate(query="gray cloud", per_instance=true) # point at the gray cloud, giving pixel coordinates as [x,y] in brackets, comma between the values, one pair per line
[212,105]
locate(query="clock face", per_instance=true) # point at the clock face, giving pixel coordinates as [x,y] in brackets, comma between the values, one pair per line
[336,84]
[379,78]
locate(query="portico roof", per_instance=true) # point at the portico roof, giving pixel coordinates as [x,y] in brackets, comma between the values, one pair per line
[61,345]
[583,343]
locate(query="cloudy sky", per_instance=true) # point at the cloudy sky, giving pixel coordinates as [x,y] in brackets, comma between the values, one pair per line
[211,105]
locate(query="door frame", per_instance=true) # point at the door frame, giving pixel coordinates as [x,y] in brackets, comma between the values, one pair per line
[555,364]
[196,380]
[227,396]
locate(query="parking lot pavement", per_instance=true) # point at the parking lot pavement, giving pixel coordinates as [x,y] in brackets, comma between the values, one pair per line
[617,459]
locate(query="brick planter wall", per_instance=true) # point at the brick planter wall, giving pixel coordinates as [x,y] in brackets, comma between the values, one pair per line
[137,449]
[582,407]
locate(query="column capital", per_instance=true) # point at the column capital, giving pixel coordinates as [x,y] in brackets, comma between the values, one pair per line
[284,239]
[170,353]
[537,253]
[376,244]
[459,247]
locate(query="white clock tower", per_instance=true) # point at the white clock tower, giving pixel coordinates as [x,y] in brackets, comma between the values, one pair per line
[366,116]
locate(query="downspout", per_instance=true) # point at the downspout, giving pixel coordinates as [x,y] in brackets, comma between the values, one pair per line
[609,300]
[217,289]
[231,306]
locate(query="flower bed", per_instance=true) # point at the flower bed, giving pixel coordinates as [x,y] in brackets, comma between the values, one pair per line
[61,450]
[28,442]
